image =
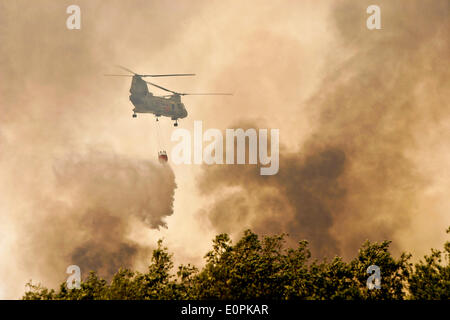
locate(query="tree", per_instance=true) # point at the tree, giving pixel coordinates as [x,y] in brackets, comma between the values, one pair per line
[430,279]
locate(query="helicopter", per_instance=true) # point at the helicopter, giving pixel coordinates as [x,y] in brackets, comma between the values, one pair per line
[145,102]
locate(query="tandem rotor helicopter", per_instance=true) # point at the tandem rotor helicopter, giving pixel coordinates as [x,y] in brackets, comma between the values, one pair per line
[145,102]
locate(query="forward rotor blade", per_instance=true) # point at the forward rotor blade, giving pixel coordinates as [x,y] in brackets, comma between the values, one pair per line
[150,75]
[162,88]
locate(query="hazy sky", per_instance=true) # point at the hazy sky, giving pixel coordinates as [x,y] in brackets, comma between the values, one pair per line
[363,118]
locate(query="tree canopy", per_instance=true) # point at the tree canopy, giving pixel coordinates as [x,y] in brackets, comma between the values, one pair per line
[264,268]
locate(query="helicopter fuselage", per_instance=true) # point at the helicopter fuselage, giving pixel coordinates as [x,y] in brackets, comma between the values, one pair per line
[159,106]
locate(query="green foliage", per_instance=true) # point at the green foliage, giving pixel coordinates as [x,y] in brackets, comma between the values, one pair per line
[430,279]
[264,268]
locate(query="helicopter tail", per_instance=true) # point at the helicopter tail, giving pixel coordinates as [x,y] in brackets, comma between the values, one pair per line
[138,86]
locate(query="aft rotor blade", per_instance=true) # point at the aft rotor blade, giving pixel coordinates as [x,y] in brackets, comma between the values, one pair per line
[168,75]
[189,94]
[126,69]
[118,75]
[206,94]
[157,75]
[162,88]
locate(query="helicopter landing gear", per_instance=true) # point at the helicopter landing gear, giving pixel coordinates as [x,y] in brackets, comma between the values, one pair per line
[176,123]
[134,115]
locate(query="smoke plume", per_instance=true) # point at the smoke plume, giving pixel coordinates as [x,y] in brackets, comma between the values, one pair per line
[79,177]
[355,177]
[84,218]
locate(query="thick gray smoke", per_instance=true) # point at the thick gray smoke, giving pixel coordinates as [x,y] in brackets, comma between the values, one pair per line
[85,215]
[78,175]
[354,178]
